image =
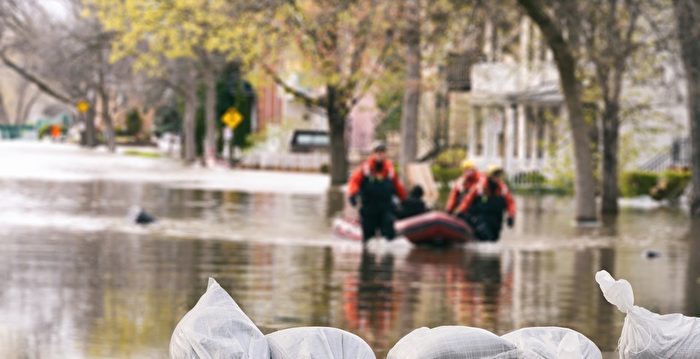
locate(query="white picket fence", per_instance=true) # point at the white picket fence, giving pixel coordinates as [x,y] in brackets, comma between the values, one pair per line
[286,161]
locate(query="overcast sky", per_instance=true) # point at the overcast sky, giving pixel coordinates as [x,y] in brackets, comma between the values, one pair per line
[56,8]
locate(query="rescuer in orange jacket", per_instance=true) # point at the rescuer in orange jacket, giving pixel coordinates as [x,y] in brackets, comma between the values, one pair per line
[375,184]
[461,187]
[484,205]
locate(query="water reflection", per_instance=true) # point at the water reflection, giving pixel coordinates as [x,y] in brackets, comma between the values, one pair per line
[109,290]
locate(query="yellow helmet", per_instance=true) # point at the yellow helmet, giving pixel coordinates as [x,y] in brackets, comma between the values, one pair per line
[468,164]
[493,169]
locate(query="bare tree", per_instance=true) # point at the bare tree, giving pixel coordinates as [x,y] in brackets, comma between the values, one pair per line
[609,27]
[564,50]
[66,59]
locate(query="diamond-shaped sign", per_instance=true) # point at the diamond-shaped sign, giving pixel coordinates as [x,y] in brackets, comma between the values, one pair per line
[83,106]
[232,118]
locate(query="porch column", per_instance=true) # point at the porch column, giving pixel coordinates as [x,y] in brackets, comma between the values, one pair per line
[471,135]
[508,136]
[533,136]
[522,128]
[546,137]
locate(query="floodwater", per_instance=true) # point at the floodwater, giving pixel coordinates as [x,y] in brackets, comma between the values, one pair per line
[78,281]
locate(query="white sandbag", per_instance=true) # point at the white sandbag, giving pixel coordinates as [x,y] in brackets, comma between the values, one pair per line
[553,343]
[453,342]
[216,327]
[646,334]
[317,343]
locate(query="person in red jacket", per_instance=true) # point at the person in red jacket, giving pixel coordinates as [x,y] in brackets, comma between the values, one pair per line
[469,178]
[375,184]
[483,207]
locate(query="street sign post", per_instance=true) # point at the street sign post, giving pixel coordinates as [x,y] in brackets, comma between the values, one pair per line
[231,118]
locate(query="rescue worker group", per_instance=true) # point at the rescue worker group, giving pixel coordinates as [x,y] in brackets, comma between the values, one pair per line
[481,200]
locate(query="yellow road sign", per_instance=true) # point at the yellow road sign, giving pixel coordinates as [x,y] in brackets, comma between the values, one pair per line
[232,118]
[83,106]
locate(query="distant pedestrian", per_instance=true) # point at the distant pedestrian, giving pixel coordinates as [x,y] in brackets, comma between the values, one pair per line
[470,177]
[483,207]
[375,184]
[55,132]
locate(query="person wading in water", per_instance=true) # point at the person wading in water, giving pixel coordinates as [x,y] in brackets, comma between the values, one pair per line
[374,183]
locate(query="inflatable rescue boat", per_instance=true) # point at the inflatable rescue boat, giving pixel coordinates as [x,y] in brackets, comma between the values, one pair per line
[431,228]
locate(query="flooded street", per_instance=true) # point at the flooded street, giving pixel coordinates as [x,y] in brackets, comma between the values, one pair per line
[79,281]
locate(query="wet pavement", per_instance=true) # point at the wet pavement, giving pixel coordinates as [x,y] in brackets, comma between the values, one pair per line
[80,281]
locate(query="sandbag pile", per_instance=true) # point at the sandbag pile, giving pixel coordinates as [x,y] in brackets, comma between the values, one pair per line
[646,334]
[216,327]
[317,343]
[453,342]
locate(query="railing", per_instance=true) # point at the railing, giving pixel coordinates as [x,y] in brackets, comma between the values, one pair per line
[677,156]
[15,131]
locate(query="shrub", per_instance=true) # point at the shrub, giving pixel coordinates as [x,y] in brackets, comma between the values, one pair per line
[133,123]
[637,183]
[451,158]
[445,175]
[671,185]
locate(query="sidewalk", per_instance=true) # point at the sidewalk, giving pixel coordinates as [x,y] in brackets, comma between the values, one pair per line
[65,162]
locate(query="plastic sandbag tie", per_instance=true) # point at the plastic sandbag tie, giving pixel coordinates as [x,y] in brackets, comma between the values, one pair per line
[620,293]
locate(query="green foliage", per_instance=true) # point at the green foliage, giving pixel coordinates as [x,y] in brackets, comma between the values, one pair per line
[133,122]
[451,158]
[168,118]
[671,185]
[144,154]
[637,183]
[446,167]
[445,175]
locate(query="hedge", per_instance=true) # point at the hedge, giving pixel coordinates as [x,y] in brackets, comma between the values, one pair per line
[637,183]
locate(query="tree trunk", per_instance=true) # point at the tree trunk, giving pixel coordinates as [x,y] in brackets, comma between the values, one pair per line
[189,124]
[584,185]
[3,113]
[107,121]
[210,110]
[337,113]
[90,133]
[688,20]
[611,129]
[22,119]
[411,95]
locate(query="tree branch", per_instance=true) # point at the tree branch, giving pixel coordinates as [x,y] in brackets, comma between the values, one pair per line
[308,100]
[44,87]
